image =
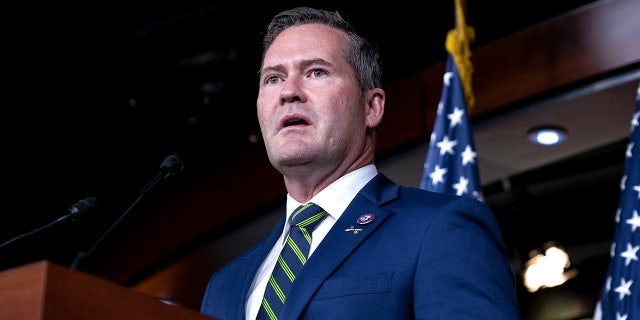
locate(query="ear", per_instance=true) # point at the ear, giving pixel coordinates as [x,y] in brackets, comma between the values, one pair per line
[375,107]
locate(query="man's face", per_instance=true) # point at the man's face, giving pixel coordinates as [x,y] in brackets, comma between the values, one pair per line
[309,105]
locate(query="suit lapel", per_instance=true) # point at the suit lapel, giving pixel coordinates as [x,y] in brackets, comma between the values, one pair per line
[252,262]
[343,238]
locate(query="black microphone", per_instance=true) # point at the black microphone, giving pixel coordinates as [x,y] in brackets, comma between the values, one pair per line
[79,208]
[171,166]
[83,206]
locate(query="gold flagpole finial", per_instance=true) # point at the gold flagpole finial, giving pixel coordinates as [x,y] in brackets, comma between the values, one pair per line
[458,45]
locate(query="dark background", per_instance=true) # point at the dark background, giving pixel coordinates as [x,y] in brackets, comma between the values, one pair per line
[99,93]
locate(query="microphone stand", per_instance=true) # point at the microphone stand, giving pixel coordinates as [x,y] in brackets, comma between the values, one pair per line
[170,166]
[81,207]
[37,229]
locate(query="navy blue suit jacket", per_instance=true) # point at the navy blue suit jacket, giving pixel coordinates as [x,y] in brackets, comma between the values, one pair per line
[426,255]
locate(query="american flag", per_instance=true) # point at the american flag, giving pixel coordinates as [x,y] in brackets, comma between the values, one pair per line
[451,165]
[620,295]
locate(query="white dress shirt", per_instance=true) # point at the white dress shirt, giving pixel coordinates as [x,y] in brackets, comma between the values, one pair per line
[334,199]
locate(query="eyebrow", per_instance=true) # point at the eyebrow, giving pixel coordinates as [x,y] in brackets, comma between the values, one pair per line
[318,61]
[304,64]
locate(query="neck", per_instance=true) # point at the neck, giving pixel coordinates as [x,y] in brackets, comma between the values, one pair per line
[305,183]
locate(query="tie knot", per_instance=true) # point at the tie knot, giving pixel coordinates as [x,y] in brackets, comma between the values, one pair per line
[307,216]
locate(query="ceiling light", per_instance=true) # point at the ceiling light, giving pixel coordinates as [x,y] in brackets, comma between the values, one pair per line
[547,135]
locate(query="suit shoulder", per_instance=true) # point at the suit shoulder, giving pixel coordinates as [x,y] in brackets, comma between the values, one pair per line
[431,196]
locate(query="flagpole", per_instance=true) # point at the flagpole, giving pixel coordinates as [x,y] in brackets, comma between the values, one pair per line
[458,45]
[462,4]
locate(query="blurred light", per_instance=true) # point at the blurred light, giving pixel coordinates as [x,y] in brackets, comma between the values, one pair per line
[254,138]
[167,301]
[133,102]
[548,269]
[547,135]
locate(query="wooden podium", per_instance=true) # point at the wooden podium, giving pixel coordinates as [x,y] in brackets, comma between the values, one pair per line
[46,291]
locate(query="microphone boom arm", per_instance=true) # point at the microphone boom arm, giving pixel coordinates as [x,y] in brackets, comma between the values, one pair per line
[171,166]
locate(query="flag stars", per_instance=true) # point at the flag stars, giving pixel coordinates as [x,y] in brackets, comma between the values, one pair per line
[622,279]
[630,254]
[447,78]
[637,189]
[451,164]
[437,176]
[446,145]
[455,117]
[634,221]
[461,186]
[468,155]
[623,289]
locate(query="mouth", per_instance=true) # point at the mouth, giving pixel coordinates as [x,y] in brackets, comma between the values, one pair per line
[294,121]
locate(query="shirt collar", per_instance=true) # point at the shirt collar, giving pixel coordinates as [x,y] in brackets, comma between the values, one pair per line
[338,195]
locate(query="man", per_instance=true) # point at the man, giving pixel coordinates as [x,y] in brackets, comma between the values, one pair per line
[380,251]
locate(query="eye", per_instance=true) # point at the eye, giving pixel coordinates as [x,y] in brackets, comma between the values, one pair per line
[272,80]
[317,73]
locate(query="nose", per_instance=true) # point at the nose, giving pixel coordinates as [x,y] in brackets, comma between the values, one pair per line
[292,90]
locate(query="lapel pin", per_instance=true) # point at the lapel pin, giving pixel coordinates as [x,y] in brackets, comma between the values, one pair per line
[366,218]
[354,229]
